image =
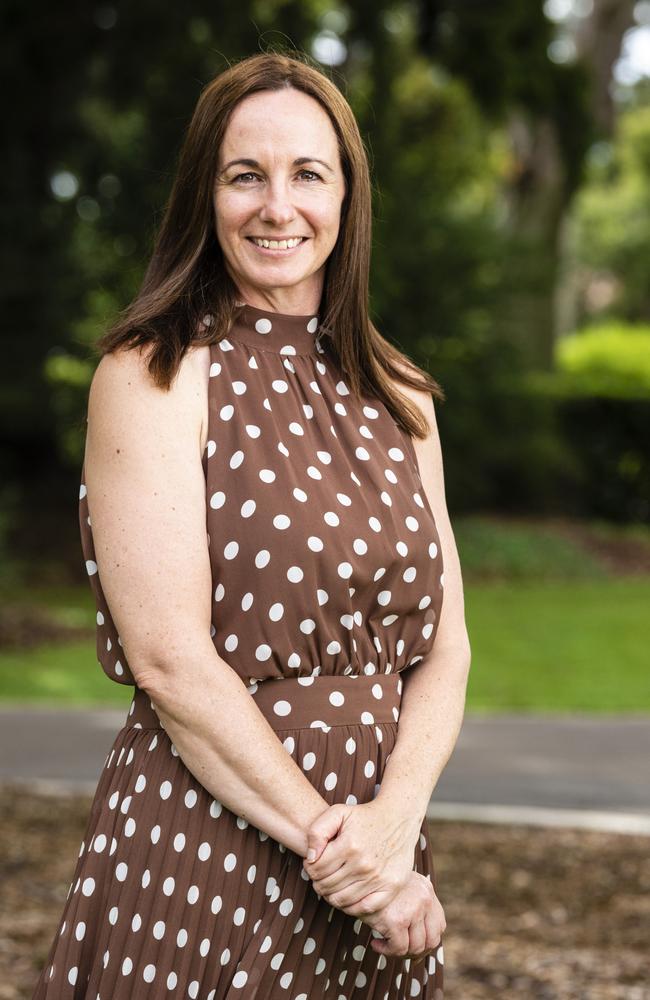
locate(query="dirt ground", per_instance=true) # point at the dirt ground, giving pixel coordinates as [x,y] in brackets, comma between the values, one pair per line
[531,913]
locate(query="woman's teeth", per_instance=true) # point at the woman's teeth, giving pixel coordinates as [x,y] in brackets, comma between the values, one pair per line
[278,244]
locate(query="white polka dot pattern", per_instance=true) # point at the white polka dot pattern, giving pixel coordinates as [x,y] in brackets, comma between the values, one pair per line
[287,480]
[327,585]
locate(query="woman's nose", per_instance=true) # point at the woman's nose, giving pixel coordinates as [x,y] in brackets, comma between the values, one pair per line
[277,203]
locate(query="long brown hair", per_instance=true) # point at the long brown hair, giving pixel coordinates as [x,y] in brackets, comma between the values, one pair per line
[186,277]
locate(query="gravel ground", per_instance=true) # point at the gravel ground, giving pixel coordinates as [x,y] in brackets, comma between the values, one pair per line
[531,913]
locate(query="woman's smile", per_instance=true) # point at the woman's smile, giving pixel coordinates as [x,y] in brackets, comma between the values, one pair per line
[277,248]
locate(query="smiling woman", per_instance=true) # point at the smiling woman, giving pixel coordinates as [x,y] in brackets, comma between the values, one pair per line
[269,570]
[278,228]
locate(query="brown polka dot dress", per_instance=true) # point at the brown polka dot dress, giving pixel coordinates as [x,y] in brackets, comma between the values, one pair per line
[327,585]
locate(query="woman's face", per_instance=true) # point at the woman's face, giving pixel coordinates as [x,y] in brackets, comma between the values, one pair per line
[279,177]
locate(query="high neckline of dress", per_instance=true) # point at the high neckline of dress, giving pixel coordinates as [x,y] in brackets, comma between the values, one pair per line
[281,333]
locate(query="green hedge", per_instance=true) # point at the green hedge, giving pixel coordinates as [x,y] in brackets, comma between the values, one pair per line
[611,358]
[610,440]
[599,398]
[573,442]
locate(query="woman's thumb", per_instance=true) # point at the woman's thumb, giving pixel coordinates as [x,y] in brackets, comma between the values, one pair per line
[323,829]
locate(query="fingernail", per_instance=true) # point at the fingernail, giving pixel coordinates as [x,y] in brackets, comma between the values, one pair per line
[311,854]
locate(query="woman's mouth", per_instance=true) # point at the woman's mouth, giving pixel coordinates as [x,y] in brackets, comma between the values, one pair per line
[277,248]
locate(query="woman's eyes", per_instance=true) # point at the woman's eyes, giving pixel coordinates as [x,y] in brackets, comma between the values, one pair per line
[249,173]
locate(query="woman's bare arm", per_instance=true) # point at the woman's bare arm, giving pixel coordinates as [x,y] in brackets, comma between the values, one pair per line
[433,696]
[146,499]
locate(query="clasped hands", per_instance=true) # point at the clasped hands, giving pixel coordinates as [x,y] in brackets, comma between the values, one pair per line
[363,865]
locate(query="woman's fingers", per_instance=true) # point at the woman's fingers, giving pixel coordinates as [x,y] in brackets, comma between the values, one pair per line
[371,843]
[338,878]
[419,912]
[328,883]
[346,877]
[395,943]
[321,836]
[346,882]
[417,938]
[368,906]
[354,890]
[346,899]
[433,934]
[328,863]
[433,930]
[415,942]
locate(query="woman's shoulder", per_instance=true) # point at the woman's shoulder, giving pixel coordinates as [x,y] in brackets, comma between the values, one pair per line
[131,366]
[124,388]
[199,357]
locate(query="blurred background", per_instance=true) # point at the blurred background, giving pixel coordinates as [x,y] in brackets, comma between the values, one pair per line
[509,145]
[510,151]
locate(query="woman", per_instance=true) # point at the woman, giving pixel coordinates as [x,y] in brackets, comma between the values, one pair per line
[268,570]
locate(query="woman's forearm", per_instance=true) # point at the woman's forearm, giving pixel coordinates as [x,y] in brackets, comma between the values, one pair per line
[225,741]
[431,714]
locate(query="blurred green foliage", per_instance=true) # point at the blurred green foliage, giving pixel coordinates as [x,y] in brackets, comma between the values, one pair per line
[519,551]
[609,359]
[610,235]
[435,88]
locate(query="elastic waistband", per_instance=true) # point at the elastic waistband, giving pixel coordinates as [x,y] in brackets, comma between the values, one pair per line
[314,702]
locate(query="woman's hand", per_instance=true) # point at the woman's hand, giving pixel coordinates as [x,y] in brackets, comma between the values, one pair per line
[368,855]
[411,925]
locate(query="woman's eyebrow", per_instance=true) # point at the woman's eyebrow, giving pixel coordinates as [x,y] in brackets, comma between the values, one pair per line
[296,163]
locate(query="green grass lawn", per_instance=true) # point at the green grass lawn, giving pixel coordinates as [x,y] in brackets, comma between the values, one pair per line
[59,673]
[66,674]
[560,646]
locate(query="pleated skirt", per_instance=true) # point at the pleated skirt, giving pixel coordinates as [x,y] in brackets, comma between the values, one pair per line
[175,896]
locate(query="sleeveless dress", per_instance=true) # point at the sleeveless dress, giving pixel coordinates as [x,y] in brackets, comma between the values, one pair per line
[328,586]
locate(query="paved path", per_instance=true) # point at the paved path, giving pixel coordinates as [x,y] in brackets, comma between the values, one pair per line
[575,770]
